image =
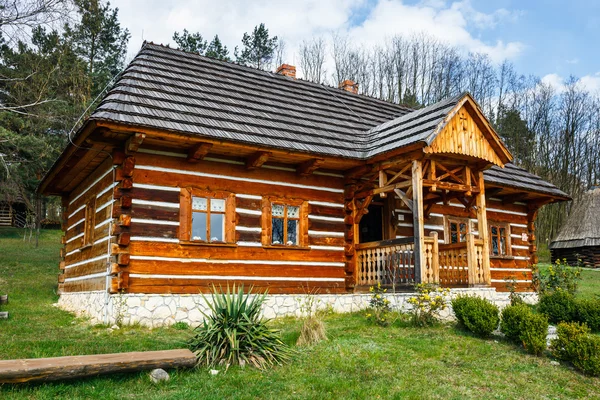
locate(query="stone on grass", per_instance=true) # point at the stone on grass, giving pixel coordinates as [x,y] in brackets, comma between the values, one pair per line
[159,375]
[214,371]
[115,327]
[553,362]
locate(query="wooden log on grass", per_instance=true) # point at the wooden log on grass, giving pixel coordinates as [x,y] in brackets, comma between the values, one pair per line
[59,368]
[3,299]
[3,314]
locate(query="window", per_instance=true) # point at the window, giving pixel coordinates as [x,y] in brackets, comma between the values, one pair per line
[208,219]
[457,230]
[499,239]
[285,221]
[90,222]
[207,216]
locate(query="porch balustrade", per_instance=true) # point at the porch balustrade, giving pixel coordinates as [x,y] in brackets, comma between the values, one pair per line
[392,263]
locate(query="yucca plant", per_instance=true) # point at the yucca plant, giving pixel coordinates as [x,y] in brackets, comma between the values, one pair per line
[233,332]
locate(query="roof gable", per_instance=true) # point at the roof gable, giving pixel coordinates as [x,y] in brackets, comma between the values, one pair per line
[465,131]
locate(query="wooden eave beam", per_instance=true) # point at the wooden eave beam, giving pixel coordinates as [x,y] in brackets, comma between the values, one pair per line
[198,151]
[450,186]
[257,159]
[384,189]
[134,142]
[309,166]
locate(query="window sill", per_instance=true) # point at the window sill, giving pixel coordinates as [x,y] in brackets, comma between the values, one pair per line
[284,247]
[193,243]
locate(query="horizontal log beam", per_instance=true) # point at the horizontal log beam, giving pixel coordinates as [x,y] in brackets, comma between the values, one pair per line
[450,186]
[60,368]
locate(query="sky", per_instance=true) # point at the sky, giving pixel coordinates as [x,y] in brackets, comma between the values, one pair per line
[551,39]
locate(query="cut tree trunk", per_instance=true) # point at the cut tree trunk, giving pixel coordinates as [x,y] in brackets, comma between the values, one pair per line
[59,368]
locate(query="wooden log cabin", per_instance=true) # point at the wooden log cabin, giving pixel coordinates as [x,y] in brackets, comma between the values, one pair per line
[578,241]
[193,172]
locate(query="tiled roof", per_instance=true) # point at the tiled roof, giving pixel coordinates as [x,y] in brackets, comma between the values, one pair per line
[177,91]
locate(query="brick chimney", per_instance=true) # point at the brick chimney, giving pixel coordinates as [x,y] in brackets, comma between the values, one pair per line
[349,86]
[287,70]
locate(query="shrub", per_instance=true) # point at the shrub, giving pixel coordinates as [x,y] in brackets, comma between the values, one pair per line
[566,333]
[379,307]
[588,312]
[522,326]
[558,306]
[534,330]
[584,353]
[476,314]
[559,276]
[512,319]
[427,304]
[234,333]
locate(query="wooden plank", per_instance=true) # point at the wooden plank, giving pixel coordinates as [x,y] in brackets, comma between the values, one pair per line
[483,227]
[70,367]
[259,270]
[309,166]
[232,253]
[198,151]
[148,286]
[418,218]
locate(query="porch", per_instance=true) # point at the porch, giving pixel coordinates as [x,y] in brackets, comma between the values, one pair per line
[392,264]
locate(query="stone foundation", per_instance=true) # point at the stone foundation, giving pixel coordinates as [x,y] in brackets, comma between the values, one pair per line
[154,310]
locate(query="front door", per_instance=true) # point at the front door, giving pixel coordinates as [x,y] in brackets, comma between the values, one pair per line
[371,225]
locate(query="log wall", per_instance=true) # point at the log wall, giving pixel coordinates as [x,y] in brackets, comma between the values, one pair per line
[86,242]
[159,262]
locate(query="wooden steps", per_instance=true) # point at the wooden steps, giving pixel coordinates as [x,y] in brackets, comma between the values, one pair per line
[59,368]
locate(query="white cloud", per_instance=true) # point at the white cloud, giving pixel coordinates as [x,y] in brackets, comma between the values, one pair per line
[572,61]
[591,83]
[297,20]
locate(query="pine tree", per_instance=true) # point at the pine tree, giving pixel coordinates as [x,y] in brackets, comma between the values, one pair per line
[192,42]
[216,50]
[99,40]
[258,48]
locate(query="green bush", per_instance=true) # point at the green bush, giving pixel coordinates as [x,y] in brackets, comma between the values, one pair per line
[566,333]
[522,326]
[558,306]
[588,312]
[476,314]
[558,276]
[512,319]
[233,333]
[534,330]
[584,353]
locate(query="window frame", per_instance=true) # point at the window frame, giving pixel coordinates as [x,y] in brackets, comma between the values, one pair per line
[507,238]
[458,221]
[267,222]
[186,215]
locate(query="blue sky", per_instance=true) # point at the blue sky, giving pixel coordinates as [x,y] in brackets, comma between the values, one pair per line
[551,39]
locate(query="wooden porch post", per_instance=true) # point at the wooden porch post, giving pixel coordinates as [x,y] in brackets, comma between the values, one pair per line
[482,227]
[418,219]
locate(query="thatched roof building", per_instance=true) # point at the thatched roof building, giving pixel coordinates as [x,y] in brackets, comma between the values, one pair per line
[579,239]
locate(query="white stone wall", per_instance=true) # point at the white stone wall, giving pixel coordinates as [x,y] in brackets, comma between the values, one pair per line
[155,310]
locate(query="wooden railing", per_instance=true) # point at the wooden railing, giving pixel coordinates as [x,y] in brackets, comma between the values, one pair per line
[389,262]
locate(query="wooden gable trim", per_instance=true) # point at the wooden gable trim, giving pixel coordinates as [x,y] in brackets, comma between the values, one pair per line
[466,131]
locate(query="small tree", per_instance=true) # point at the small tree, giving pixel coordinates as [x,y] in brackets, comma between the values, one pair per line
[217,50]
[258,50]
[191,42]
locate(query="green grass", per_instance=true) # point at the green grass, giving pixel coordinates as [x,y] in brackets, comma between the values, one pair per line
[358,361]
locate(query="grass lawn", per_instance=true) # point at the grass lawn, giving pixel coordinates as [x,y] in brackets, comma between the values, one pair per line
[358,361]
